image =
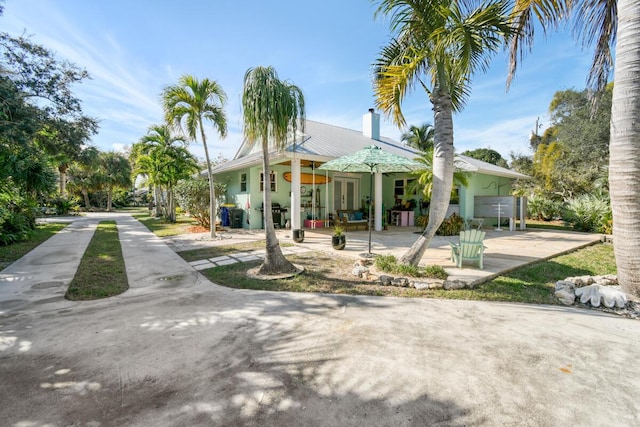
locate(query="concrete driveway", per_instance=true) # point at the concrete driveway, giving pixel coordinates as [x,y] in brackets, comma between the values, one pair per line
[177,350]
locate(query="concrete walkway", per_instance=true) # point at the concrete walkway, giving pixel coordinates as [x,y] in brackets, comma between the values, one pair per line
[505,250]
[178,350]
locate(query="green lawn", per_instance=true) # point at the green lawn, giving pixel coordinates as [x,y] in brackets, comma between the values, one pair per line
[328,273]
[162,228]
[14,252]
[102,272]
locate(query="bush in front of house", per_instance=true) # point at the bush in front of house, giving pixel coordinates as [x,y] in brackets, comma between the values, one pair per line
[193,196]
[451,226]
[543,208]
[589,213]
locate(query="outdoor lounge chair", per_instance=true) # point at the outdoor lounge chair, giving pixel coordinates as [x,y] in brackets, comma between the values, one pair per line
[470,248]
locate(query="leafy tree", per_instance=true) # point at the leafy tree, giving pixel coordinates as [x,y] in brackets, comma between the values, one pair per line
[544,163]
[85,174]
[117,173]
[487,155]
[272,110]
[188,105]
[163,157]
[38,116]
[605,24]
[419,137]
[438,45]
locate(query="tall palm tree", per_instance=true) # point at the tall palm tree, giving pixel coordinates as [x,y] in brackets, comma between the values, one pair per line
[117,173]
[438,45]
[609,25]
[419,137]
[164,158]
[273,111]
[188,105]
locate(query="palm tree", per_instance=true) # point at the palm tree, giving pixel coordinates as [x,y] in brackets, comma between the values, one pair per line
[164,158]
[84,174]
[424,182]
[117,173]
[438,45]
[188,105]
[608,24]
[419,137]
[272,110]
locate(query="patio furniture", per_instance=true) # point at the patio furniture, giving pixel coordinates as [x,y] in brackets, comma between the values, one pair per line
[352,217]
[470,248]
[471,221]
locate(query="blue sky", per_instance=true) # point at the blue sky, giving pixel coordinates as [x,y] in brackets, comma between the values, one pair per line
[133,48]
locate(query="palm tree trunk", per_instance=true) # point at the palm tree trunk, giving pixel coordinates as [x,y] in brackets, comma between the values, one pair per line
[85,195]
[109,197]
[624,148]
[274,260]
[62,169]
[212,190]
[443,153]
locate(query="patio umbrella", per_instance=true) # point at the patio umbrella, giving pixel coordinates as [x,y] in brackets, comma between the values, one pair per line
[371,159]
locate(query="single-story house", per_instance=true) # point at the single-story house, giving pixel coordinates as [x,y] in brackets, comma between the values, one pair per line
[307,197]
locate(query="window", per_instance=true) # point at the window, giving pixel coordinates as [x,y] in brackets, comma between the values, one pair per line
[273,181]
[243,182]
[401,187]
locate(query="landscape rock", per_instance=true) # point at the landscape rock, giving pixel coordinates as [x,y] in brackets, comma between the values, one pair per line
[596,294]
[421,285]
[565,285]
[566,297]
[454,284]
[359,270]
[386,280]
[400,281]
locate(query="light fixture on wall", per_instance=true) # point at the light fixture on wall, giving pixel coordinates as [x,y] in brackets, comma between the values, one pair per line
[229,179]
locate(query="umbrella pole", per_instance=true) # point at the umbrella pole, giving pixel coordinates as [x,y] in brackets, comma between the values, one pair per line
[370,200]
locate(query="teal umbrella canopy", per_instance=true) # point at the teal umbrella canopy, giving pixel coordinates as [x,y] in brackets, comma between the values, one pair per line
[371,159]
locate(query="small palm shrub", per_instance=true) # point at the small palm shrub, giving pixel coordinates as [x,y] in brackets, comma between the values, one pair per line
[543,208]
[588,213]
[449,227]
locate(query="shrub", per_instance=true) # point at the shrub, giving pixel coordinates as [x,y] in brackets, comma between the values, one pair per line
[543,208]
[588,213]
[389,264]
[193,197]
[450,226]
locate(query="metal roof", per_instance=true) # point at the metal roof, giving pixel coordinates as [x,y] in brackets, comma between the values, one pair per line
[324,142]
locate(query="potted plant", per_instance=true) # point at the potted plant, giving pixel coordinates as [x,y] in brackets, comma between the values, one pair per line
[338,240]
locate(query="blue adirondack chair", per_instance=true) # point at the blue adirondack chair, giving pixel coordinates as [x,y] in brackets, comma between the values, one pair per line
[470,248]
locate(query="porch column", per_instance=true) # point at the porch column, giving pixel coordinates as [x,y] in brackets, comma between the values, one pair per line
[295,194]
[378,202]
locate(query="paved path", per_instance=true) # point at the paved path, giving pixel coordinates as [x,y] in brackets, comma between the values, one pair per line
[177,350]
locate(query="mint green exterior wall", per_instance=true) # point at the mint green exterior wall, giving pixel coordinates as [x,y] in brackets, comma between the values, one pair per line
[479,185]
[482,185]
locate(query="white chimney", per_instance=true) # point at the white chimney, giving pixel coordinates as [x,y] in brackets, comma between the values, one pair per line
[371,125]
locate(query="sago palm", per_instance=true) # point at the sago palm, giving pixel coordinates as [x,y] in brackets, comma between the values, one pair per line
[272,111]
[437,45]
[188,105]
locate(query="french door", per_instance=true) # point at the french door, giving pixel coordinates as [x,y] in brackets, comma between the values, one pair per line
[346,193]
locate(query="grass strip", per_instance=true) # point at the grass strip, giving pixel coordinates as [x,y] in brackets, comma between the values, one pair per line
[161,228]
[102,272]
[325,273]
[15,251]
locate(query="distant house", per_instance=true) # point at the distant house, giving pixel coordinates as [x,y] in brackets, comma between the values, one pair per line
[321,194]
